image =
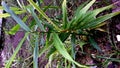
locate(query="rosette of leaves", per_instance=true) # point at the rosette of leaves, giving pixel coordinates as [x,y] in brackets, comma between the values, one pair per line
[60,32]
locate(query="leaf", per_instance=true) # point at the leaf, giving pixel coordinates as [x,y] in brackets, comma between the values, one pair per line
[81,44]
[61,49]
[48,45]
[35,54]
[51,57]
[80,14]
[99,25]
[43,14]
[94,44]
[63,36]
[85,9]
[39,23]
[99,20]
[73,54]
[7,65]
[73,38]
[15,17]
[4,15]
[16,27]
[52,50]
[80,7]
[39,1]
[91,15]
[64,13]
[109,58]
[12,8]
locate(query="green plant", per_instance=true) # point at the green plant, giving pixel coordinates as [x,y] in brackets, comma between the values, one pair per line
[58,33]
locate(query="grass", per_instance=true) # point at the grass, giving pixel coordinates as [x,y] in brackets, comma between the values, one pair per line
[56,37]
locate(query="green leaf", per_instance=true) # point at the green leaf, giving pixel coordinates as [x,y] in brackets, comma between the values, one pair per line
[81,44]
[43,14]
[35,54]
[109,58]
[48,45]
[91,15]
[63,36]
[61,49]
[80,15]
[80,7]
[4,15]
[39,23]
[48,65]
[7,65]
[64,13]
[15,17]
[38,2]
[94,44]
[73,54]
[100,20]
[73,38]
[52,50]
[85,9]
[12,8]
[16,27]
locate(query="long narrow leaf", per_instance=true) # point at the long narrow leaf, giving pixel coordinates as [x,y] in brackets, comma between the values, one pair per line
[80,15]
[4,15]
[12,8]
[85,9]
[35,54]
[15,17]
[61,49]
[43,14]
[16,27]
[94,44]
[16,51]
[91,15]
[80,7]
[99,20]
[39,23]
[64,12]
[73,48]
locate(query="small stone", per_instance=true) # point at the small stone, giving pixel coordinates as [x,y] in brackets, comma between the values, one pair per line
[118,37]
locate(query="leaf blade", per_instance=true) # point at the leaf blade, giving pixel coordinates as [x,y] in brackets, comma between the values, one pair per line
[60,47]
[15,17]
[64,13]
[16,51]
